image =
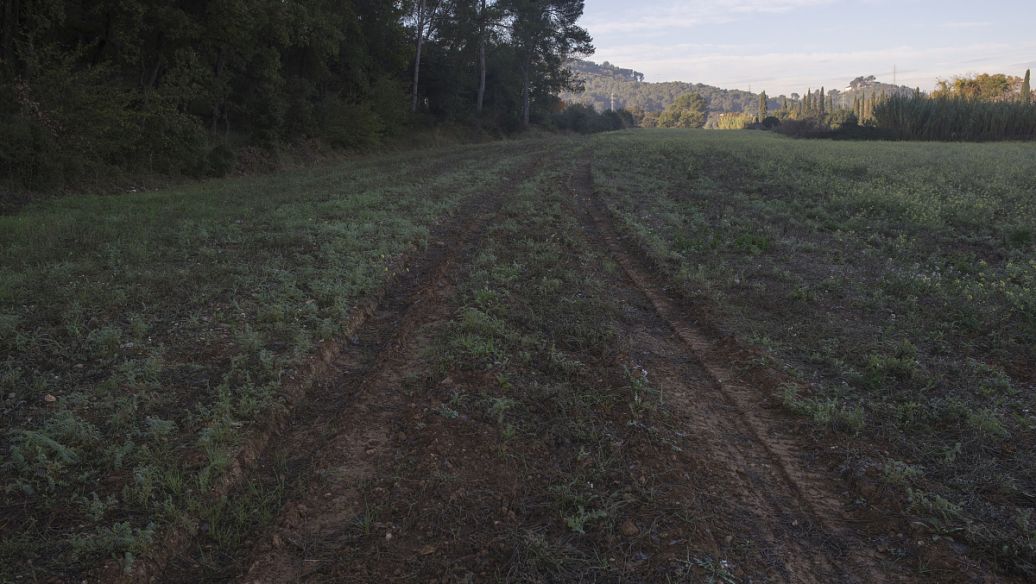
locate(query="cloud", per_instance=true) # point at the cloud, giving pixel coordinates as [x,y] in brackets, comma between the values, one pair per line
[738,67]
[963,25]
[688,14]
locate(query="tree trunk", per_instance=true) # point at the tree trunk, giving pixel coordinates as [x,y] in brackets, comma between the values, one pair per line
[152,79]
[481,59]
[482,78]
[526,98]
[417,57]
[10,26]
[217,106]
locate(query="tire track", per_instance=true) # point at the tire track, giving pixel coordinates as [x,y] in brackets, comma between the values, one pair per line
[794,510]
[341,437]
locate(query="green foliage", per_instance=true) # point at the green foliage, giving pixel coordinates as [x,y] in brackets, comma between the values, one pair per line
[688,111]
[982,87]
[734,121]
[586,120]
[599,82]
[955,118]
[123,88]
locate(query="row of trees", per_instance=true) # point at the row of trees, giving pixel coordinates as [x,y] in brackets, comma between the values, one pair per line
[955,118]
[985,107]
[183,86]
[987,87]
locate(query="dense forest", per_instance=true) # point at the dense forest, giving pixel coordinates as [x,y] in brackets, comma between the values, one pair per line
[191,86]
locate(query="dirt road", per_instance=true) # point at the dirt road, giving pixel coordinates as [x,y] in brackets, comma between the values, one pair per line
[529,404]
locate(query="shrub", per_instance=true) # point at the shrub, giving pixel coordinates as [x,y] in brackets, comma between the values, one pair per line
[585,120]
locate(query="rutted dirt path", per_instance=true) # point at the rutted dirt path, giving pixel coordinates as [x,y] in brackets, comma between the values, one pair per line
[397,477]
[337,435]
[793,513]
[352,445]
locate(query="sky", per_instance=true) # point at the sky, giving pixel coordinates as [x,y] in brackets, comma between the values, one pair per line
[786,46]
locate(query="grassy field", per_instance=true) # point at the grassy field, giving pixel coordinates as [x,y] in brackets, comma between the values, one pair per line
[896,282]
[143,335]
[544,385]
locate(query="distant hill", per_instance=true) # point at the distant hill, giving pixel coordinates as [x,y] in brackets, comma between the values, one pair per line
[631,92]
[866,87]
[607,86]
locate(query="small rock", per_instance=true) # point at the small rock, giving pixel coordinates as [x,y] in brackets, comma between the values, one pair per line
[728,539]
[49,398]
[426,550]
[628,528]
[388,536]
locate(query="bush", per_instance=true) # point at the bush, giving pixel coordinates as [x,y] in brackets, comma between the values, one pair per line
[844,119]
[585,120]
[350,125]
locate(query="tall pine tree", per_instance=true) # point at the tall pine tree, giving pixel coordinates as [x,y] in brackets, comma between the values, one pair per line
[1026,89]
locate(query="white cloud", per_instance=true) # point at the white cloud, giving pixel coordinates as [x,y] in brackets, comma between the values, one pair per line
[963,25]
[794,71]
[688,14]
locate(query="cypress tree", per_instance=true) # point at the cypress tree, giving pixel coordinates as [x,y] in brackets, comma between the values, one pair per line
[822,101]
[1026,89]
[762,106]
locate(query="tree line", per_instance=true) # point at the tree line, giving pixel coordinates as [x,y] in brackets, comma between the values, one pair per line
[980,108]
[186,86]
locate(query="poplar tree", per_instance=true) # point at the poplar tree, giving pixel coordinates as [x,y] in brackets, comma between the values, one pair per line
[762,106]
[1026,89]
[820,109]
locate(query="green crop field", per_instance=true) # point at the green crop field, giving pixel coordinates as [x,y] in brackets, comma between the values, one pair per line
[650,355]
